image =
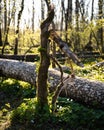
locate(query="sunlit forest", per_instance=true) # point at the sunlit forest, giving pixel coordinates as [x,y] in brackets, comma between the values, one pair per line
[52,65]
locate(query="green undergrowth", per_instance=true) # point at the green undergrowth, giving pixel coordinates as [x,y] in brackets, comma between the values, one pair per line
[69,116]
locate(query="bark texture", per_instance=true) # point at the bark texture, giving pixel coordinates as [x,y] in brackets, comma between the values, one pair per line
[64,47]
[19,70]
[17,30]
[42,91]
[81,90]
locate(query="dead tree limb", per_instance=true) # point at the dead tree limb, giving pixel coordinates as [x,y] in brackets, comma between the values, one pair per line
[64,47]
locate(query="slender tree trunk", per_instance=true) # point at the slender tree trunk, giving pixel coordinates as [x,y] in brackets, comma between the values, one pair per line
[77,39]
[10,14]
[1,43]
[68,18]
[42,10]
[70,11]
[100,30]
[53,53]
[92,15]
[47,3]
[62,18]
[42,92]
[5,25]
[82,9]
[0,36]
[33,13]
[92,11]
[66,24]
[5,15]
[17,30]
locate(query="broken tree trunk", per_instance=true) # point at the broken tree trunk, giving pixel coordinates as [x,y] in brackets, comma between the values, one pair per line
[80,89]
[64,47]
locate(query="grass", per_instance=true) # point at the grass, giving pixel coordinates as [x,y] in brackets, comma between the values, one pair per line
[18,107]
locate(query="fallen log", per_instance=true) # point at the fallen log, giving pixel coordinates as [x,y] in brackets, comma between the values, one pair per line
[29,57]
[80,89]
[99,64]
[19,70]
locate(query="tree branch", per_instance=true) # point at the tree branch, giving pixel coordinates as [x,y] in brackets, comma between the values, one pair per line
[64,47]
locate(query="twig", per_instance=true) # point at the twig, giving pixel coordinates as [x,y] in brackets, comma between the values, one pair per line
[58,91]
[54,60]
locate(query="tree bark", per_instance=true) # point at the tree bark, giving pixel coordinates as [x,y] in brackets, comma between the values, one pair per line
[85,91]
[9,19]
[100,29]
[5,24]
[42,91]
[17,30]
[24,71]
[81,90]
[1,43]
[33,16]
[77,38]
[64,47]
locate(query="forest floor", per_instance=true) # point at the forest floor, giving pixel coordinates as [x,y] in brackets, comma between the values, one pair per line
[11,96]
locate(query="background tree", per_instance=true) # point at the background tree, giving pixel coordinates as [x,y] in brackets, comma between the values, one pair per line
[62,17]
[0,25]
[5,26]
[68,18]
[77,39]
[17,30]
[8,19]
[100,30]
[42,10]
[33,13]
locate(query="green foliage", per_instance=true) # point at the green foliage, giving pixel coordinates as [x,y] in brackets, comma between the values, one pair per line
[25,112]
[27,39]
[17,88]
[78,116]
[69,115]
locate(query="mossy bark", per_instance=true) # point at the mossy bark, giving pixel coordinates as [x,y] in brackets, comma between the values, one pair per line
[42,91]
